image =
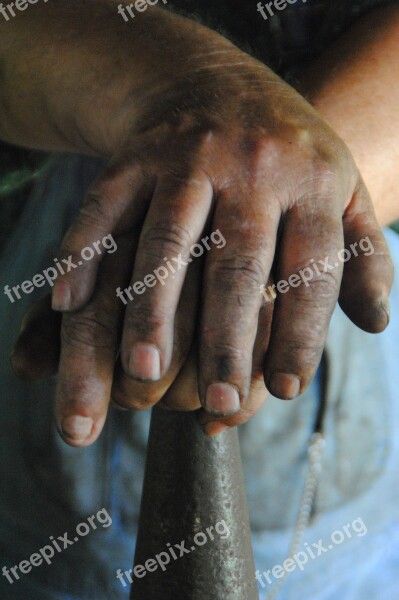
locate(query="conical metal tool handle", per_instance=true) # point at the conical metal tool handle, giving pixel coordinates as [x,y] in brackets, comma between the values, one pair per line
[193,484]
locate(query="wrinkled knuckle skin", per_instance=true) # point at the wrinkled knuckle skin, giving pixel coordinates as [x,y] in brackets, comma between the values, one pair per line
[169,240]
[221,349]
[322,288]
[75,388]
[89,331]
[66,251]
[96,201]
[299,356]
[92,213]
[225,360]
[303,351]
[145,319]
[326,286]
[237,274]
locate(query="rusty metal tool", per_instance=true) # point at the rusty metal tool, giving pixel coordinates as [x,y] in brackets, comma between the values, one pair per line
[192,482]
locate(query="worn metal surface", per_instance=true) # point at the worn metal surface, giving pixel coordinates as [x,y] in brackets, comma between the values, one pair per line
[193,482]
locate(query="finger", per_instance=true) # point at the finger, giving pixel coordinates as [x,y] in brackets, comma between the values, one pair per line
[174,223]
[368,272]
[232,297]
[307,292]
[183,394]
[115,203]
[258,392]
[37,349]
[137,395]
[89,346]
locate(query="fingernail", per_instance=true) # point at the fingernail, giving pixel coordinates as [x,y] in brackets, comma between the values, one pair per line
[77,427]
[222,399]
[214,428]
[61,297]
[285,386]
[145,362]
[387,309]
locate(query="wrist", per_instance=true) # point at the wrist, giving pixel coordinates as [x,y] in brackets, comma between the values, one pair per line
[80,74]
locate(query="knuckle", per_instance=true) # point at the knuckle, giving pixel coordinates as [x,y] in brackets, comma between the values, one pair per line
[300,356]
[240,272]
[313,233]
[69,253]
[88,330]
[95,208]
[75,387]
[145,318]
[304,349]
[318,298]
[273,150]
[229,352]
[318,182]
[168,239]
[330,169]
[81,231]
[323,286]
[334,155]
[264,156]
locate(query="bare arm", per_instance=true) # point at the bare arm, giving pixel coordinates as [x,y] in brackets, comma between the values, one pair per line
[355,87]
[73,73]
[203,139]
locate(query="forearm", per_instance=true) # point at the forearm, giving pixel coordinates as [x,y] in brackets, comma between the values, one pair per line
[66,67]
[355,87]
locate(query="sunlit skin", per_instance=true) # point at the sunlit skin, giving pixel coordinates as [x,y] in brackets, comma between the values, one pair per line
[201,136]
